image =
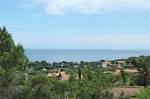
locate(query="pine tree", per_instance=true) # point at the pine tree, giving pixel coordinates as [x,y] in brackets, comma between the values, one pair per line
[12,60]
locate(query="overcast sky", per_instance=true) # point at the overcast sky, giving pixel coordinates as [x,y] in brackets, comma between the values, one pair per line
[78,24]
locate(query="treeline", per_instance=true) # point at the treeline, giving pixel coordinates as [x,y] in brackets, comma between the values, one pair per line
[39,65]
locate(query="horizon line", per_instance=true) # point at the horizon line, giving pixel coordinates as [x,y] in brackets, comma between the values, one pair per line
[79,49]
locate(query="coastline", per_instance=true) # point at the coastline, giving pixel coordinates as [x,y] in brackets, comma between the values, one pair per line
[74,55]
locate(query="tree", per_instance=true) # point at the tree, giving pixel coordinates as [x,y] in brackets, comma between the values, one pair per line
[94,85]
[12,59]
[79,73]
[143,78]
[134,61]
[123,76]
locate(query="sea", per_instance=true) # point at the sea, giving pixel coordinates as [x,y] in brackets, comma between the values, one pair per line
[81,55]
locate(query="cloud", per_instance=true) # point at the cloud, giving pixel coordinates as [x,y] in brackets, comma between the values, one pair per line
[61,7]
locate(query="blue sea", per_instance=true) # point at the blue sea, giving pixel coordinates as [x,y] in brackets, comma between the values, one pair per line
[81,55]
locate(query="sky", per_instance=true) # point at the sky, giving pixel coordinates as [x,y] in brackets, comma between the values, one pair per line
[78,24]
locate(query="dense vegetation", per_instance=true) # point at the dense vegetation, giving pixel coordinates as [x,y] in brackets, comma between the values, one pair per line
[21,79]
[12,62]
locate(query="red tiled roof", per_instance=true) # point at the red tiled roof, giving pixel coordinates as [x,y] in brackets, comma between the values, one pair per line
[131,91]
[106,62]
[116,72]
[64,76]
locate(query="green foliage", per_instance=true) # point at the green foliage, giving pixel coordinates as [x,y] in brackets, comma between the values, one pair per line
[93,85]
[71,70]
[39,79]
[39,65]
[126,78]
[11,56]
[12,60]
[123,76]
[42,87]
[143,79]
[2,71]
[122,96]
[145,94]
[134,61]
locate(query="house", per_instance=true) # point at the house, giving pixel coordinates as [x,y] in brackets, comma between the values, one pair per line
[116,72]
[105,64]
[117,65]
[53,74]
[64,76]
[76,66]
[133,71]
[130,64]
[121,62]
[44,69]
[131,91]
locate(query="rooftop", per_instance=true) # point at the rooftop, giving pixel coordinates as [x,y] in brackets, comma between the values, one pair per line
[131,91]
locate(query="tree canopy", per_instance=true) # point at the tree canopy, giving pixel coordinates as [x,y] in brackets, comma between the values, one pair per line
[12,59]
